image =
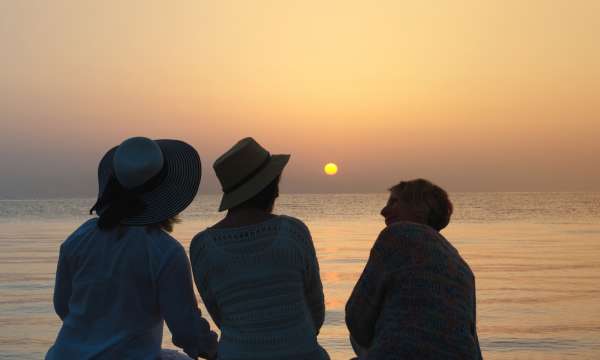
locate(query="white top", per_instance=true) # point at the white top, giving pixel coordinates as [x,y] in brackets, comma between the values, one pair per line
[114,288]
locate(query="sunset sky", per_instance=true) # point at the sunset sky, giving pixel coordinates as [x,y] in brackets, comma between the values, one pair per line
[474,95]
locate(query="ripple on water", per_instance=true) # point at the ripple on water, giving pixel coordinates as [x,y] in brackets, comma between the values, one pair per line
[543,344]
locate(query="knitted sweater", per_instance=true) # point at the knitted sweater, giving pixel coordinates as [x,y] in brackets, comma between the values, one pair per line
[261,285]
[415,298]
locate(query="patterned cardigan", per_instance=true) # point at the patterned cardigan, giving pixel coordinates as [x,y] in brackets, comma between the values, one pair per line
[415,298]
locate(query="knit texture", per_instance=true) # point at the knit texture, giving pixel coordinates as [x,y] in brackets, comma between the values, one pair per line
[415,298]
[262,287]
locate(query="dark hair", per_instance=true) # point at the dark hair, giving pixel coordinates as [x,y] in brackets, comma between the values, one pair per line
[427,198]
[265,199]
[118,203]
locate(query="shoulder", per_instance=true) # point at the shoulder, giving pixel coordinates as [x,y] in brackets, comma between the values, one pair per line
[164,250]
[84,228]
[294,224]
[81,232]
[162,238]
[160,244]
[403,228]
[198,245]
[407,237]
[198,241]
[298,234]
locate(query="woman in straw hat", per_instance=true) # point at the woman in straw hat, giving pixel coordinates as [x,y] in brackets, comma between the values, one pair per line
[257,272]
[416,296]
[121,274]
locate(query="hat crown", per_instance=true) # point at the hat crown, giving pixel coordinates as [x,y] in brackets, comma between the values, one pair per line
[136,161]
[240,162]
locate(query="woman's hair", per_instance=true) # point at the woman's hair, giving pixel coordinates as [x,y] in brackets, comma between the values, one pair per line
[169,224]
[430,201]
[264,200]
[118,203]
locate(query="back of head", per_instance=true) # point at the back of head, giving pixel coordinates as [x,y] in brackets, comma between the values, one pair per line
[121,204]
[145,182]
[428,199]
[264,200]
[245,172]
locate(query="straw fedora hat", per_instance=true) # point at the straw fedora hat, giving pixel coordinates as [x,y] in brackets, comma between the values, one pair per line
[245,170]
[163,174]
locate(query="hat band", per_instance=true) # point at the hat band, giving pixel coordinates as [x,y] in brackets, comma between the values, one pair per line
[153,182]
[107,196]
[249,176]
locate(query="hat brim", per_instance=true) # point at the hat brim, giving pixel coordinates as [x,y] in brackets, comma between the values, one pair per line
[174,193]
[256,183]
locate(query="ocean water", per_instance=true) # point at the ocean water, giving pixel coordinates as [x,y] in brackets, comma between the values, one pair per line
[536,258]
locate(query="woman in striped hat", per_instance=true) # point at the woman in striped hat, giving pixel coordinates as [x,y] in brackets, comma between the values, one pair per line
[121,275]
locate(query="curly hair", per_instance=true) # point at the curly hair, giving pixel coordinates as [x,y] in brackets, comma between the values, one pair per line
[428,199]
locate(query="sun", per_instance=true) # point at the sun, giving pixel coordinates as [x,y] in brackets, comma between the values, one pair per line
[330,169]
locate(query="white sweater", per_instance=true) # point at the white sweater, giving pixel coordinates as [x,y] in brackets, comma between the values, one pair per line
[261,285]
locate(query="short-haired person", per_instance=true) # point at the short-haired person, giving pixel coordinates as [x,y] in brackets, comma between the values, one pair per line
[416,296]
[257,272]
[121,274]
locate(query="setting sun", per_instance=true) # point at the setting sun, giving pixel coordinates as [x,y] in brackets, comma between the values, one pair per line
[330,169]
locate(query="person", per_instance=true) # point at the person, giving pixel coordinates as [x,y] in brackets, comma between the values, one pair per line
[120,274]
[415,298]
[257,272]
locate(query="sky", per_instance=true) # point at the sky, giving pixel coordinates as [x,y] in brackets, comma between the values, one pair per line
[473,95]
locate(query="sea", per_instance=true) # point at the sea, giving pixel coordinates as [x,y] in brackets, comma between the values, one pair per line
[536,259]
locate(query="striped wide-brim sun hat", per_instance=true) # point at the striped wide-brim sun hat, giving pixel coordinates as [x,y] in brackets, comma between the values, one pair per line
[168,189]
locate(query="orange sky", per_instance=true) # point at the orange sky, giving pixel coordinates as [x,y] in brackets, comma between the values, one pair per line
[475,95]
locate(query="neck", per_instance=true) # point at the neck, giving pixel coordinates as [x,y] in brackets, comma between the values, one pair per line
[243,217]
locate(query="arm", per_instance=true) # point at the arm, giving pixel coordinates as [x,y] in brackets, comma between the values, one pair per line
[313,288]
[210,302]
[62,286]
[365,303]
[202,285]
[179,308]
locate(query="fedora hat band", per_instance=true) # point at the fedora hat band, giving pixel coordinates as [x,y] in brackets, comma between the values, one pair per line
[240,182]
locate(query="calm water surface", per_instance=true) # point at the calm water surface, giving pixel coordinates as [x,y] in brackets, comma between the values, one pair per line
[536,258]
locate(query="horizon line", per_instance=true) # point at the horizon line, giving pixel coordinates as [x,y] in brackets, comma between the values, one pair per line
[322,193]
